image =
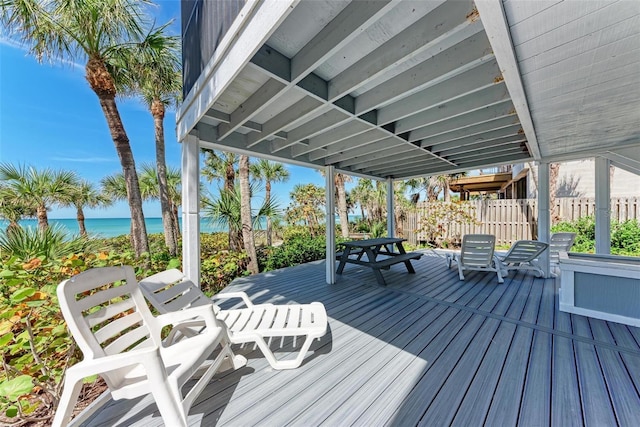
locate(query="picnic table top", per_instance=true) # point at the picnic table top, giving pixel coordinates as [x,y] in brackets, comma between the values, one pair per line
[367,243]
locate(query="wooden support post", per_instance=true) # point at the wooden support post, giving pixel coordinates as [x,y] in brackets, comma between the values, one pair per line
[330,185]
[603,210]
[191,208]
[390,209]
[544,214]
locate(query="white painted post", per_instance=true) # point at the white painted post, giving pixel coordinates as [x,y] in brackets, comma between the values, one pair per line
[603,210]
[544,214]
[391,226]
[330,185]
[191,208]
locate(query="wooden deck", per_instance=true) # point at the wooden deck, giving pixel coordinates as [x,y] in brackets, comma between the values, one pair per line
[427,349]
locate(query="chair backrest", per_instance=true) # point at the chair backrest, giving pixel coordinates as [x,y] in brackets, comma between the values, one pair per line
[477,250]
[107,314]
[170,290]
[525,251]
[560,242]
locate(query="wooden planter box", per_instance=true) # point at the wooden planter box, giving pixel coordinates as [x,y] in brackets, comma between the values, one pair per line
[605,287]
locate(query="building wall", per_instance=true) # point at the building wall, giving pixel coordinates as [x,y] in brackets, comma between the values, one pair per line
[204,24]
[577,179]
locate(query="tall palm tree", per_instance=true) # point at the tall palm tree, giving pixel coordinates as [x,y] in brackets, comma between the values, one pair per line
[245,214]
[85,195]
[38,189]
[155,76]
[343,207]
[99,32]
[269,172]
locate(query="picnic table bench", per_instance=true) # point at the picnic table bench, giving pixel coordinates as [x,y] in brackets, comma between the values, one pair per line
[354,251]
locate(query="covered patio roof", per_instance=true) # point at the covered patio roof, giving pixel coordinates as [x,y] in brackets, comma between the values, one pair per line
[397,89]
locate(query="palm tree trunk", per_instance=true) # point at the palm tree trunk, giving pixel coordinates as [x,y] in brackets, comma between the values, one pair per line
[43,220]
[342,205]
[267,198]
[101,83]
[245,215]
[80,219]
[170,237]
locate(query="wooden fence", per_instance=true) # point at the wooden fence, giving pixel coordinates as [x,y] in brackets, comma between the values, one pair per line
[511,220]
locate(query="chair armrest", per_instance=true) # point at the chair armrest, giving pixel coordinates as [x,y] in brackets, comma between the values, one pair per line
[189,314]
[89,367]
[228,295]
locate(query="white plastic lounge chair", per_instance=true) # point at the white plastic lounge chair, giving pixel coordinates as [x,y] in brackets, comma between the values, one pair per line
[560,242]
[120,340]
[522,256]
[476,253]
[170,291]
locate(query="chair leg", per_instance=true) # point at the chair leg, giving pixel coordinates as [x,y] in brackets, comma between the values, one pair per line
[168,400]
[285,364]
[460,274]
[72,387]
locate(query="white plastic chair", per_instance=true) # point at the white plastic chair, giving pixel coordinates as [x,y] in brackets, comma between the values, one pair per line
[120,339]
[476,253]
[560,242]
[522,256]
[170,290]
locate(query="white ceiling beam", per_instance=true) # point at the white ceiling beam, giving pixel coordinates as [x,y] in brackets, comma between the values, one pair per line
[417,38]
[401,163]
[468,82]
[329,120]
[460,57]
[239,44]
[348,145]
[369,148]
[338,134]
[301,111]
[420,171]
[479,138]
[493,94]
[384,156]
[252,106]
[505,143]
[474,129]
[497,29]
[470,119]
[348,24]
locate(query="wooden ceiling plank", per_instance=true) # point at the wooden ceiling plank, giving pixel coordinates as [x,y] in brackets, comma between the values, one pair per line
[460,57]
[468,131]
[489,96]
[466,83]
[348,24]
[418,37]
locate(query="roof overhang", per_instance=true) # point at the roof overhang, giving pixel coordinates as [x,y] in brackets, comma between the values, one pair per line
[398,89]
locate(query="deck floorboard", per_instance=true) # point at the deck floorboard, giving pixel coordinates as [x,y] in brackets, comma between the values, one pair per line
[427,349]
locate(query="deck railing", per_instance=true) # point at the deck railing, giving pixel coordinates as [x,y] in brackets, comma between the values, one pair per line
[511,220]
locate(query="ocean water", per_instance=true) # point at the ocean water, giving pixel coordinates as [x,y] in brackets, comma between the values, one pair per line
[112,227]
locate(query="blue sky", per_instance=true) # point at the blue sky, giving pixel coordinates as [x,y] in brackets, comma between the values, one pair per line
[50,118]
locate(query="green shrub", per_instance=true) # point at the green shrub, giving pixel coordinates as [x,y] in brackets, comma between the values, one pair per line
[299,247]
[53,242]
[625,236]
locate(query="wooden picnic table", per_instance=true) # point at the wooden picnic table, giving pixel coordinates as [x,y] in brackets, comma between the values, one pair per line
[389,247]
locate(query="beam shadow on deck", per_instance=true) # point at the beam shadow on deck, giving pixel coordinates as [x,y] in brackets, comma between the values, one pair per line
[426,349]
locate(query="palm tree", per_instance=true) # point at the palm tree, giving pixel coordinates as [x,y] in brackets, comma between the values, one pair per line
[38,189]
[341,195]
[13,208]
[100,33]
[305,206]
[222,166]
[150,190]
[245,214]
[85,195]
[155,75]
[269,172]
